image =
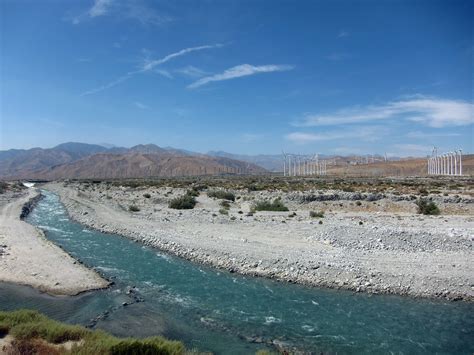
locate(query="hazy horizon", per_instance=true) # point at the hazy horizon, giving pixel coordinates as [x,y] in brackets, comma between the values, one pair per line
[334,78]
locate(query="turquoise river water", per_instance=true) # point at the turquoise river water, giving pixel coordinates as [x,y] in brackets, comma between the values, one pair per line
[216,311]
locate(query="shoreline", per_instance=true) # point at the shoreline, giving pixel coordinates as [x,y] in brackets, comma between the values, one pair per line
[208,245]
[28,258]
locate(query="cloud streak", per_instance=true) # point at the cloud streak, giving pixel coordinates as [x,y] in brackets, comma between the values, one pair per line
[153,63]
[367,133]
[433,112]
[238,72]
[148,66]
[100,8]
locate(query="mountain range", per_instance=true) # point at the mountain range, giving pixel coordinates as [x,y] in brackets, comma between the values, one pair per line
[80,160]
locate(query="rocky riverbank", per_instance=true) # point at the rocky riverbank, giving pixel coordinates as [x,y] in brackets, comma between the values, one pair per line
[380,246]
[28,258]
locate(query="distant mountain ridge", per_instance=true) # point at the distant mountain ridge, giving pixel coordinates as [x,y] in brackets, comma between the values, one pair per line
[81,160]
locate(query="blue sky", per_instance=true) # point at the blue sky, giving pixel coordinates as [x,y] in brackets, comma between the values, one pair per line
[330,77]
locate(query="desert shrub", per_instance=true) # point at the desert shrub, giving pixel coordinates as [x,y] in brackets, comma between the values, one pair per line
[361,223]
[193,192]
[427,207]
[3,187]
[277,205]
[233,218]
[358,203]
[292,214]
[147,195]
[225,204]
[320,222]
[133,208]
[314,214]
[223,211]
[423,192]
[348,189]
[221,194]
[185,202]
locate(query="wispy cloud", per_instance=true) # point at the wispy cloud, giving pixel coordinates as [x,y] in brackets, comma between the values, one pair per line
[191,72]
[366,133]
[153,63]
[240,71]
[122,10]
[100,8]
[149,65]
[342,33]
[163,72]
[145,15]
[422,135]
[140,105]
[433,112]
[337,56]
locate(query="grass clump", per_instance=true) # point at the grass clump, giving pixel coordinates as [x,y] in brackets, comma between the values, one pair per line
[223,211]
[225,204]
[314,214]
[427,207]
[185,202]
[35,333]
[147,195]
[193,192]
[221,194]
[133,208]
[277,206]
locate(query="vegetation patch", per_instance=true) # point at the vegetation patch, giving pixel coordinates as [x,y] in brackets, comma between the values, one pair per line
[277,206]
[223,211]
[35,333]
[314,214]
[221,194]
[185,202]
[427,207]
[133,208]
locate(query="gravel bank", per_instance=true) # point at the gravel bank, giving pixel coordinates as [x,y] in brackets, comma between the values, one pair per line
[361,250]
[28,258]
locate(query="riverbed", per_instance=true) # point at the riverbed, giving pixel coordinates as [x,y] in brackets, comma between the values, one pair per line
[211,310]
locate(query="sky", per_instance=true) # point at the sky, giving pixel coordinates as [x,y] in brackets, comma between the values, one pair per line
[249,77]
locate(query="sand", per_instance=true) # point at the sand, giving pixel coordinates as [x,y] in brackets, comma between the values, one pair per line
[28,258]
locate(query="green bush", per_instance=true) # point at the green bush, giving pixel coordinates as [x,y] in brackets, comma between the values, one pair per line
[133,208]
[225,204]
[221,194]
[266,205]
[147,195]
[223,211]
[314,214]
[185,202]
[3,187]
[193,192]
[28,326]
[427,207]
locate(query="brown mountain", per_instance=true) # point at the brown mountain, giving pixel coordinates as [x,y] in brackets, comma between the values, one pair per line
[142,165]
[79,160]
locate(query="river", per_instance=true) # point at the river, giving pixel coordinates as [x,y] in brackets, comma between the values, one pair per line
[225,313]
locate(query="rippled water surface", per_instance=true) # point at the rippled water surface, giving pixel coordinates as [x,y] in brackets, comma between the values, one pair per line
[222,312]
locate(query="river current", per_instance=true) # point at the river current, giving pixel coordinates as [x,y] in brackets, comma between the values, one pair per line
[212,310]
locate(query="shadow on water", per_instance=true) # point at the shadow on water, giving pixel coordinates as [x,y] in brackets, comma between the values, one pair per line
[155,293]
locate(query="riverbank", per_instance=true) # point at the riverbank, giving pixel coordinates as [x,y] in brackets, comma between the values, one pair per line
[365,251]
[28,258]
